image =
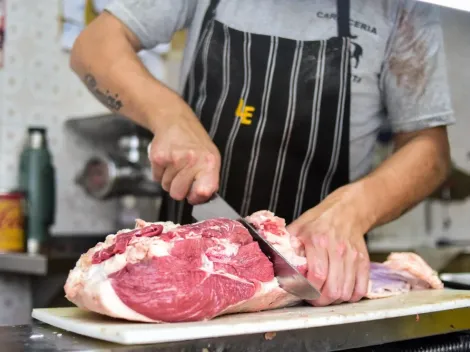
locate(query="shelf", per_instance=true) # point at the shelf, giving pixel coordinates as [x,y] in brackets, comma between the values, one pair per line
[63,252]
[105,129]
[22,263]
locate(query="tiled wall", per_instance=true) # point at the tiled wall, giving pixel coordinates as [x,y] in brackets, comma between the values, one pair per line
[38,88]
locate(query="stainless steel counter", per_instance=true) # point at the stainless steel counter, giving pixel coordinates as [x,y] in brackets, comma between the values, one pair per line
[63,252]
[42,337]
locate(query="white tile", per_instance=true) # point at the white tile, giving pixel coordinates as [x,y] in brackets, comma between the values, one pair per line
[38,88]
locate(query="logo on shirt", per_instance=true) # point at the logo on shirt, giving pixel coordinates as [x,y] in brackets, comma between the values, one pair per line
[356,51]
[244,112]
[353,23]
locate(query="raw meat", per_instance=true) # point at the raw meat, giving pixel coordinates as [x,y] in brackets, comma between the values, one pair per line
[400,273]
[162,272]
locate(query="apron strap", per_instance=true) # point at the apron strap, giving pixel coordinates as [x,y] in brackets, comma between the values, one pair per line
[342,7]
[210,13]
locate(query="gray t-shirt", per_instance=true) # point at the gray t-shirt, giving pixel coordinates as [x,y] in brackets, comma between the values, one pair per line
[398,65]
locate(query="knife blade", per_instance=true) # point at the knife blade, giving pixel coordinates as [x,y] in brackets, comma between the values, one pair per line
[289,278]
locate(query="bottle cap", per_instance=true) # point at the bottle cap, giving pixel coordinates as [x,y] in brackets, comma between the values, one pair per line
[37,129]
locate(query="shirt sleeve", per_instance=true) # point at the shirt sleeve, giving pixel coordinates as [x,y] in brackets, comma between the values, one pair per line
[153,21]
[414,73]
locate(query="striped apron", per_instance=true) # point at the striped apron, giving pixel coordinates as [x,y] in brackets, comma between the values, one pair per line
[278,110]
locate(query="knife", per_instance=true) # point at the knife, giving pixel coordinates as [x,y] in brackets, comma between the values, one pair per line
[289,278]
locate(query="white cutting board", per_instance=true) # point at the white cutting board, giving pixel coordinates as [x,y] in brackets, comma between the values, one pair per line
[104,328]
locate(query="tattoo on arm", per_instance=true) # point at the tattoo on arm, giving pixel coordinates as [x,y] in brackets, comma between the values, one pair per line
[110,101]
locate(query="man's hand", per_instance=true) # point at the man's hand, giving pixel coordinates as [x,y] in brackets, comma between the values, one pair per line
[333,231]
[184,158]
[337,257]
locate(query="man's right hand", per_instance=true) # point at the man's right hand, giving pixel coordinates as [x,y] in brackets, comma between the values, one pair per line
[184,159]
[182,155]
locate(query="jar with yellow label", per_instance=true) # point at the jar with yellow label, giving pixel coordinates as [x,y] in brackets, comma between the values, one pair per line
[12,236]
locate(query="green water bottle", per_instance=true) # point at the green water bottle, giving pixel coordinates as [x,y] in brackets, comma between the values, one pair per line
[37,180]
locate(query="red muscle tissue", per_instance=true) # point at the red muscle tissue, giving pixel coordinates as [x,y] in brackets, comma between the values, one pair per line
[162,272]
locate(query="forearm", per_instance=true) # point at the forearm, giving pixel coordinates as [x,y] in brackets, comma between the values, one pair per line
[414,171]
[104,57]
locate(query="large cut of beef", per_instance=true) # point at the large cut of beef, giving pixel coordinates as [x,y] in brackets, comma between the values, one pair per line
[162,272]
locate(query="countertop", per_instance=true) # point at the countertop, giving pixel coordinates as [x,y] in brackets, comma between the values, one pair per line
[42,337]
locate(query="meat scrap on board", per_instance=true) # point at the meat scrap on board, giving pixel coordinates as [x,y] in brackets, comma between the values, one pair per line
[163,272]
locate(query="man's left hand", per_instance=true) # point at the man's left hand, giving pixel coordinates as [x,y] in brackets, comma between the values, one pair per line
[333,236]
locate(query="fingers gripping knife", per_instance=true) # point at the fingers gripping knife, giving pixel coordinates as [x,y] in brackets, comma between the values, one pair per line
[289,278]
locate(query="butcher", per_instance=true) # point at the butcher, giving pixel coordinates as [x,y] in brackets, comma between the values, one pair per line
[279,108]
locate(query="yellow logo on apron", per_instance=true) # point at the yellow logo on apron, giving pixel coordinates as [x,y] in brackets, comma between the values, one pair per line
[245,113]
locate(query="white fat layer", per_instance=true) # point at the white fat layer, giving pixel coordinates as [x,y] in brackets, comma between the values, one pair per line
[224,247]
[75,274]
[230,249]
[207,265]
[283,245]
[167,225]
[116,263]
[112,303]
[160,248]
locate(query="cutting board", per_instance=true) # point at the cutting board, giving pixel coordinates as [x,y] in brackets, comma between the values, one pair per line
[124,332]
